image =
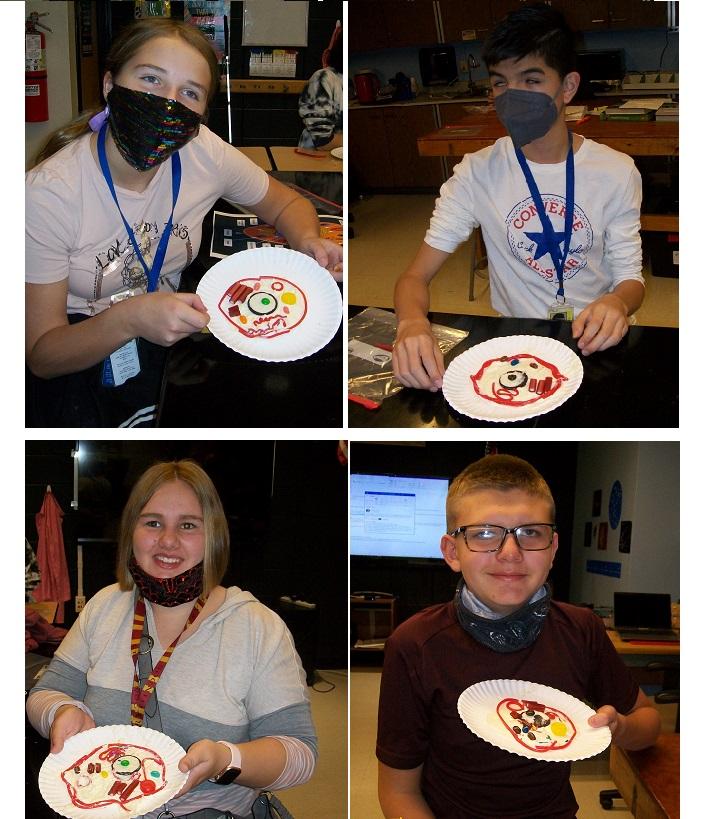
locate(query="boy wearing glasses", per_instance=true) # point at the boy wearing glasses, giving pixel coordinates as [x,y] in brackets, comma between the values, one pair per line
[560,214]
[501,624]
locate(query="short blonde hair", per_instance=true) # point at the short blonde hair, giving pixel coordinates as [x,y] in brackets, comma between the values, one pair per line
[216,557]
[499,472]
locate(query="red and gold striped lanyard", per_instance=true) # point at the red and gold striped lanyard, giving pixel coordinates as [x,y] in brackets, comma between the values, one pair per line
[140,696]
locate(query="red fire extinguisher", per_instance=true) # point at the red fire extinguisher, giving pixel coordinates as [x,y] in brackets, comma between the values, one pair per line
[36,107]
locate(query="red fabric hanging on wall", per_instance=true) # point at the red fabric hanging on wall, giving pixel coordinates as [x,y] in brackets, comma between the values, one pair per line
[54,575]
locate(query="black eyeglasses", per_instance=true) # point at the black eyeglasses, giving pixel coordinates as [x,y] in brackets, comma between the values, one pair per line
[487,537]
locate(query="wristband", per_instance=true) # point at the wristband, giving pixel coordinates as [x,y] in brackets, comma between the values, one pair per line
[227,775]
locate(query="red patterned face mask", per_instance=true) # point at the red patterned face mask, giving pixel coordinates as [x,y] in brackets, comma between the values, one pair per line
[171,591]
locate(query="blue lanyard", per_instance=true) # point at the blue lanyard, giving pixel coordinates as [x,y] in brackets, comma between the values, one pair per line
[559,257]
[152,275]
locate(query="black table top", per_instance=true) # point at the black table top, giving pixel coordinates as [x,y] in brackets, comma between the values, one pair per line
[206,384]
[634,384]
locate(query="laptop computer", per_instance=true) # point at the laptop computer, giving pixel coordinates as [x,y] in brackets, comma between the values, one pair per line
[641,616]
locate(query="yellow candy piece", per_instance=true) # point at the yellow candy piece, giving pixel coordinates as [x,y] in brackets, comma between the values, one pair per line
[104,774]
[288,298]
[559,729]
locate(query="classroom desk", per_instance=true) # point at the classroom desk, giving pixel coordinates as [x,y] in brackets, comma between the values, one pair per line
[286,159]
[634,384]
[206,384]
[649,780]
[258,156]
[477,131]
[642,648]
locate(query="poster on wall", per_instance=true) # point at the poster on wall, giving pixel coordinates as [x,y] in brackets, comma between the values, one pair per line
[596,503]
[588,534]
[601,543]
[210,18]
[625,537]
[615,504]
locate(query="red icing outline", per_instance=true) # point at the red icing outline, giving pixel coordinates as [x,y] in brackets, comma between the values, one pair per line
[114,750]
[282,319]
[505,395]
[552,713]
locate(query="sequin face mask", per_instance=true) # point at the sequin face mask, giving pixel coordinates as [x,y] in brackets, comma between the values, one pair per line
[148,128]
[171,591]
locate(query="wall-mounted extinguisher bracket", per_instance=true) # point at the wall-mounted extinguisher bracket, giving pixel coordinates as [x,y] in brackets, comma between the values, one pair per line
[36,100]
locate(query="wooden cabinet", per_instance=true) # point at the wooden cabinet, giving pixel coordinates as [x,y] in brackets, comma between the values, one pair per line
[372,620]
[594,15]
[368,152]
[382,148]
[380,24]
[637,14]
[366,26]
[410,22]
[403,125]
[470,16]
[377,24]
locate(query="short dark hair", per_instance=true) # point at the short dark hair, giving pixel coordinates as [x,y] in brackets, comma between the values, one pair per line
[535,29]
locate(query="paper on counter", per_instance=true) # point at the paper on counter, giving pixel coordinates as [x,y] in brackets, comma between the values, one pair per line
[654,103]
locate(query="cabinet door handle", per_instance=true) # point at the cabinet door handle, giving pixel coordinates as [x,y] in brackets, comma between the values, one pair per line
[599,21]
[618,20]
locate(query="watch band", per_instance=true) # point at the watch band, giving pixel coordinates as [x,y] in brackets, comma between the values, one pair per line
[234,767]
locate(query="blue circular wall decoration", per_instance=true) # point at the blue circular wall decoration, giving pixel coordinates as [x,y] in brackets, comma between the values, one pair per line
[615,505]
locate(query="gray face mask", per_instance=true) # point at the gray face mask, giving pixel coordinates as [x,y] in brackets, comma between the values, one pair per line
[526,115]
[506,634]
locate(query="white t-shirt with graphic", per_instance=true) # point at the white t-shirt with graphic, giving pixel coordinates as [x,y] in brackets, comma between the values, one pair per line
[74,230]
[488,190]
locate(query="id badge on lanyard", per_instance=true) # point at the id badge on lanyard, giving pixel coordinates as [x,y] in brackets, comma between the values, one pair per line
[124,363]
[560,309]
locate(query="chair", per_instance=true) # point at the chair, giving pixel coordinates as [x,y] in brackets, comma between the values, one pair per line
[670,685]
[479,262]
[669,693]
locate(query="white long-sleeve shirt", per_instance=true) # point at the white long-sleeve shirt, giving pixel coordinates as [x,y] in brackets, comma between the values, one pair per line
[488,190]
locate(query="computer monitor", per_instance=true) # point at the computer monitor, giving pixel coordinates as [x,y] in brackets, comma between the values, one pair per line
[396,516]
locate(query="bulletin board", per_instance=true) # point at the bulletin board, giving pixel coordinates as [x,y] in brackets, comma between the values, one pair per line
[275,23]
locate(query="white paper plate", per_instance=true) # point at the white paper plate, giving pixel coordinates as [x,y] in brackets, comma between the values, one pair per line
[297,304]
[337,153]
[493,709]
[151,759]
[512,378]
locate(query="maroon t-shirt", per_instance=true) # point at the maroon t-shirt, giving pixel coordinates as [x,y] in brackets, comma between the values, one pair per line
[430,660]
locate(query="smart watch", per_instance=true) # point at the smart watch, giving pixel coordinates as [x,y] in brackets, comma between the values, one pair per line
[233,769]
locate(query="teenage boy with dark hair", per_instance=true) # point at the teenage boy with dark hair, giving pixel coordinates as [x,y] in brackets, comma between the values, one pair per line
[560,214]
[501,624]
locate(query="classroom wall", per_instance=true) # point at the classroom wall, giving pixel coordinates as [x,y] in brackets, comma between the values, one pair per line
[61,74]
[649,476]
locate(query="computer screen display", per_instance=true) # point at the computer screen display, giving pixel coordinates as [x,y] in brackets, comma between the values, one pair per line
[397,516]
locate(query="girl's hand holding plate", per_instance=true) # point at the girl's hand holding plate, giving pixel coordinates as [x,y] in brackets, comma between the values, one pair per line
[328,254]
[68,721]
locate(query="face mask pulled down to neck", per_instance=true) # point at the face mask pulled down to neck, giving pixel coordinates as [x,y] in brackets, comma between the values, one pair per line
[526,115]
[170,591]
[148,128]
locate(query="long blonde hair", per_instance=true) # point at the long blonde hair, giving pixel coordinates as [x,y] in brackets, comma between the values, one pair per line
[127,43]
[216,558]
